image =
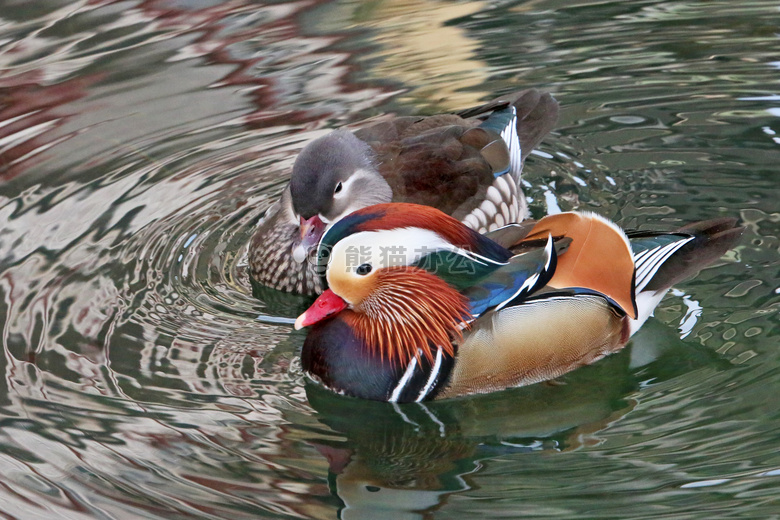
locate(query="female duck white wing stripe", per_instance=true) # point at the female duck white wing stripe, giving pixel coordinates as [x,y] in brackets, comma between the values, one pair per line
[509,135]
[432,377]
[403,381]
[647,266]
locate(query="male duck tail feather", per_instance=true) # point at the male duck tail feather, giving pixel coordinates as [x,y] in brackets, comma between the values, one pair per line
[699,245]
[664,259]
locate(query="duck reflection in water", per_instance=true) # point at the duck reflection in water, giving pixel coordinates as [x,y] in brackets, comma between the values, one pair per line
[403,461]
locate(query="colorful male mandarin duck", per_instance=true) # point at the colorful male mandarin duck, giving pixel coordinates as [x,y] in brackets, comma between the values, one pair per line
[420,306]
[467,165]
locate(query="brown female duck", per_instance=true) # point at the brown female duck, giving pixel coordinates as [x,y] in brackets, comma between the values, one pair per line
[467,165]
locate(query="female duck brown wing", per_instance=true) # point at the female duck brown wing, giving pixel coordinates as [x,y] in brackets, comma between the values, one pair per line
[467,164]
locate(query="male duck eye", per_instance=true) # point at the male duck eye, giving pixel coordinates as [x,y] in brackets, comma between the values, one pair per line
[338,188]
[363,269]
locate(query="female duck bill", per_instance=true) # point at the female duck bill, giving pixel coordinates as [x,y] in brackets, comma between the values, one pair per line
[311,232]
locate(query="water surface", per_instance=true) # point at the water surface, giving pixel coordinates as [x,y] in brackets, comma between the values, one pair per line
[141,142]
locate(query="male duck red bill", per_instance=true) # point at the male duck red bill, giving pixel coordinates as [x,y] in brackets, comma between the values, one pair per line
[421,307]
[467,165]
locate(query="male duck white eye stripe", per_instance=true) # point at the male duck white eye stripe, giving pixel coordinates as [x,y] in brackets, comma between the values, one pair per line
[432,377]
[386,248]
[395,247]
[403,381]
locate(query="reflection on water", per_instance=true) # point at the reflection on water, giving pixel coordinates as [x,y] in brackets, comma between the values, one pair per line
[140,143]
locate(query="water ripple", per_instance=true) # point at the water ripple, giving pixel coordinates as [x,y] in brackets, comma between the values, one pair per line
[142,142]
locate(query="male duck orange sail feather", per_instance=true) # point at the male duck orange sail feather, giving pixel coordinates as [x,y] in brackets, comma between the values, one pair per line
[451,312]
[467,165]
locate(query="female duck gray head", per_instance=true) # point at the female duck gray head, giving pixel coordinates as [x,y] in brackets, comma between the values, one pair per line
[332,177]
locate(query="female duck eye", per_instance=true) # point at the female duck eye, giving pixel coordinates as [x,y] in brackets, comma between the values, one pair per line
[338,188]
[363,269]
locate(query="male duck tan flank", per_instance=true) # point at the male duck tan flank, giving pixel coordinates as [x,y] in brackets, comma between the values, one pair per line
[452,313]
[467,165]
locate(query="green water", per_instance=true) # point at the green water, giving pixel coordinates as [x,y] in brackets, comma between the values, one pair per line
[140,142]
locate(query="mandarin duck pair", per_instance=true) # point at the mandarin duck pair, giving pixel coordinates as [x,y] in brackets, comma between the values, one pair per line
[454,297]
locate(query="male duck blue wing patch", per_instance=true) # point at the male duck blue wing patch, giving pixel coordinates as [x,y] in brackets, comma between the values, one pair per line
[520,277]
